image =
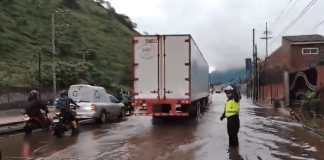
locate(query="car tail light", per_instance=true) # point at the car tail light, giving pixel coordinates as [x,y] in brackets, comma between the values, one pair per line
[185,101]
[93,107]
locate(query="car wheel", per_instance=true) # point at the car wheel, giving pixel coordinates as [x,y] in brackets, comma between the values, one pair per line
[28,129]
[103,118]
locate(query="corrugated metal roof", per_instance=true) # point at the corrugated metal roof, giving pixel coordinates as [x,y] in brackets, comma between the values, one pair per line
[305,38]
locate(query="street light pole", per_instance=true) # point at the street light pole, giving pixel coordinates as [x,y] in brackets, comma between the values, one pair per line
[53,55]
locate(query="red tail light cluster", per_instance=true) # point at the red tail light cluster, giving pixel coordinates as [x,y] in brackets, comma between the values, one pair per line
[93,107]
[139,103]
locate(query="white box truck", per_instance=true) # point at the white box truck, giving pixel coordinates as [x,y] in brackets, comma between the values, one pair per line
[170,76]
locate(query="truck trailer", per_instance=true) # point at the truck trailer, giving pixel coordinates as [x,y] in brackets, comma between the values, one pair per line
[170,76]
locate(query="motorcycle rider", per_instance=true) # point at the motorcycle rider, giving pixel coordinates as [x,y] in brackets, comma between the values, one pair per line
[34,107]
[63,103]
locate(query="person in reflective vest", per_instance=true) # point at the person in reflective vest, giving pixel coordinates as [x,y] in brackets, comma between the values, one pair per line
[231,112]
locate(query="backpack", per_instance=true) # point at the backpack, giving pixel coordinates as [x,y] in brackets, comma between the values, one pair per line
[61,102]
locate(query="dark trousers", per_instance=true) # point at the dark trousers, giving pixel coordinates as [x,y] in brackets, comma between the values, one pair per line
[233,126]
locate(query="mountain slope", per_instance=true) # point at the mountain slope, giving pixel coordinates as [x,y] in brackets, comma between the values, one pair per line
[231,76]
[92,43]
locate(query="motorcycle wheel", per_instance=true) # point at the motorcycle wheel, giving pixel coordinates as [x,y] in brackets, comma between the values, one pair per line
[58,131]
[75,131]
[28,129]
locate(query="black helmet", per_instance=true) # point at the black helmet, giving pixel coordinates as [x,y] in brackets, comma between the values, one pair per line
[33,95]
[64,93]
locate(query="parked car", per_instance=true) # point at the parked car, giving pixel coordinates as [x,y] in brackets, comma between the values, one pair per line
[96,103]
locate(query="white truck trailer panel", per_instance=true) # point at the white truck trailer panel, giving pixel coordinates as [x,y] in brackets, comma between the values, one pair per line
[146,67]
[169,67]
[199,73]
[177,73]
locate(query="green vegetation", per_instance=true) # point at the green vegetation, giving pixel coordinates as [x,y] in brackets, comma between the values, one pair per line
[312,103]
[85,29]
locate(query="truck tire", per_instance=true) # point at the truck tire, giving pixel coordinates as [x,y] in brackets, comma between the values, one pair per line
[204,105]
[198,111]
[157,120]
[195,110]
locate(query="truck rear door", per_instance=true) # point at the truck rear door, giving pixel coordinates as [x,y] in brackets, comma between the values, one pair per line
[146,67]
[176,66]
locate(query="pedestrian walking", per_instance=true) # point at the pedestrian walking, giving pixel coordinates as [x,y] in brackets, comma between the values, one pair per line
[231,112]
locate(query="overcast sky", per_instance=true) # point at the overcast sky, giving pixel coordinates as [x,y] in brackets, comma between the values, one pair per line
[223,28]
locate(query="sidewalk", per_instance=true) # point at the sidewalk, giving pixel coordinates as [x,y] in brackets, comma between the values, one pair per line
[11,121]
[13,116]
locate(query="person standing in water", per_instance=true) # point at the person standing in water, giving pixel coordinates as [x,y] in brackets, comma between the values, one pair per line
[231,112]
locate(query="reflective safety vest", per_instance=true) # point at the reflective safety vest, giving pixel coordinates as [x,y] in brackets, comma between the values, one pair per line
[231,108]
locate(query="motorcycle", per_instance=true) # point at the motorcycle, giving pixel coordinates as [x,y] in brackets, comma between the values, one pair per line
[60,124]
[32,123]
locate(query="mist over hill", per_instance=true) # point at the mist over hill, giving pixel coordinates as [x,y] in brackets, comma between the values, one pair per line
[227,77]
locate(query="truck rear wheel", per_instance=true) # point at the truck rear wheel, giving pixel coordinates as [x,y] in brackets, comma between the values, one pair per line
[198,111]
[195,110]
[157,120]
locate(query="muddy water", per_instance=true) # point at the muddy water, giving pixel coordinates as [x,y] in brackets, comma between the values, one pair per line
[264,135]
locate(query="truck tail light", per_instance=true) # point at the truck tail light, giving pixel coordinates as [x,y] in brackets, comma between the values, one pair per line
[93,107]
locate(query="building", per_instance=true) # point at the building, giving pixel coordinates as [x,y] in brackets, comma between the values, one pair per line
[292,70]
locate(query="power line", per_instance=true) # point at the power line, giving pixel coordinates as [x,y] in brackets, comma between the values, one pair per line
[284,11]
[318,25]
[294,21]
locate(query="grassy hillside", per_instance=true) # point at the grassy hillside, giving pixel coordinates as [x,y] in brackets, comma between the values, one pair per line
[85,29]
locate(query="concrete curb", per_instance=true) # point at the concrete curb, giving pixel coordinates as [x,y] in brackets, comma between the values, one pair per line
[11,128]
[11,123]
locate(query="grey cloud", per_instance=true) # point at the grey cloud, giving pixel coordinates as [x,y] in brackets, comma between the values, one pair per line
[223,28]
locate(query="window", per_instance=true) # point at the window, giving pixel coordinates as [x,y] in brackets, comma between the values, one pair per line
[310,51]
[113,99]
[97,96]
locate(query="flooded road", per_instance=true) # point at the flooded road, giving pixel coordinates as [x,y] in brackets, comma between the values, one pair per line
[264,135]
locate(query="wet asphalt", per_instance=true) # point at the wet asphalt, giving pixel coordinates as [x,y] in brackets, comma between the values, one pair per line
[265,134]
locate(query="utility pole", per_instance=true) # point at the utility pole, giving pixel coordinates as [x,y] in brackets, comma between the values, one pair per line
[39,63]
[58,11]
[39,73]
[266,38]
[53,55]
[254,62]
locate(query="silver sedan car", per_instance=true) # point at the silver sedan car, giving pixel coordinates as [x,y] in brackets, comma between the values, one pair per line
[96,103]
